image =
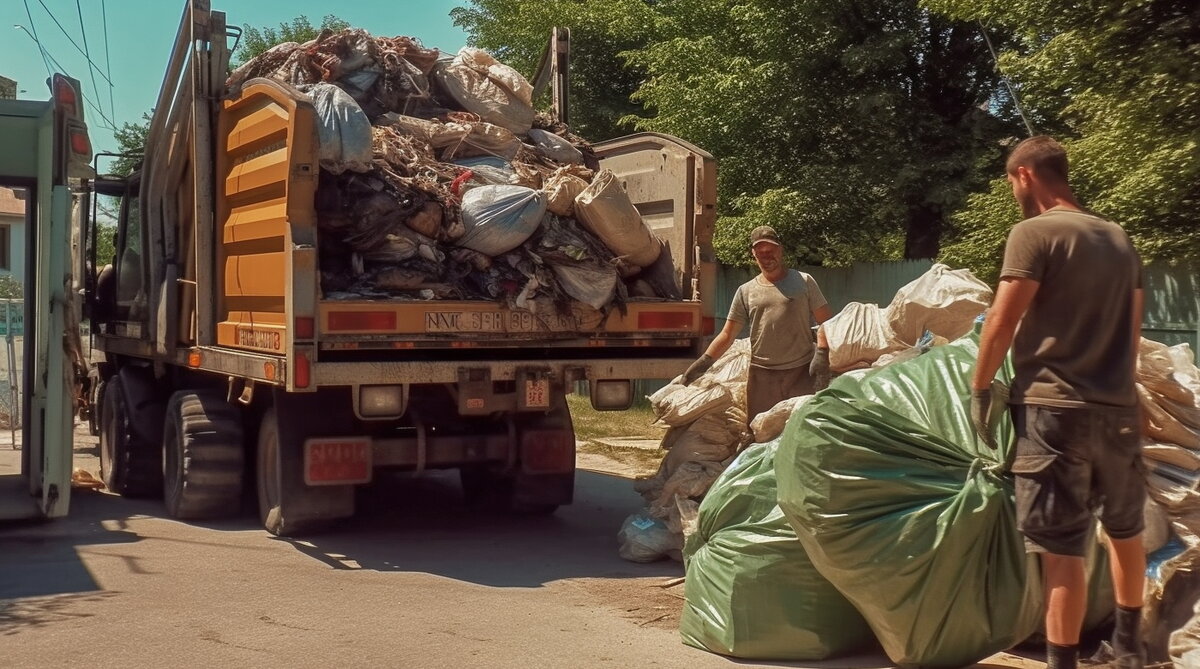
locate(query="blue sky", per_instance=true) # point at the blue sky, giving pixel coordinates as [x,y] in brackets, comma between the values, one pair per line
[141,32]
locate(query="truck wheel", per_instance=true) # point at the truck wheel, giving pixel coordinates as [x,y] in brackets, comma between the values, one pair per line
[286,505]
[485,489]
[128,465]
[203,461]
[96,403]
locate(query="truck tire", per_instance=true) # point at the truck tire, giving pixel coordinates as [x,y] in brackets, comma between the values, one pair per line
[485,487]
[96,403]
[203,456]
[129,466]
[287,506]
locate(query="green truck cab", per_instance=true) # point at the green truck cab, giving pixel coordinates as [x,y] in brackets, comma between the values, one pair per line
[44,148]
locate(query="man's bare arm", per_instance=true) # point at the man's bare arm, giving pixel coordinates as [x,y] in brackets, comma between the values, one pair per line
[1013,297]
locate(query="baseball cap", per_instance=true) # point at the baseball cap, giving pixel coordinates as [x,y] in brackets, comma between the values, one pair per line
[764,233]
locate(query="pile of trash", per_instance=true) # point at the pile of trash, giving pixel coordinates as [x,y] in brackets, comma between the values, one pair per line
[707,424]
[1168,384]
[440,181]
[707,419]
[936,308]
[880,499]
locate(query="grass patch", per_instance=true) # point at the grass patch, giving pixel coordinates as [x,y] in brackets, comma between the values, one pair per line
[644,462]
[633,422]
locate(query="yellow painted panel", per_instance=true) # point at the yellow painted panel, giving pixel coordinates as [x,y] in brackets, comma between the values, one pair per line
[258,317]
[264,170]
[257,220]
[257,275]
[268,124]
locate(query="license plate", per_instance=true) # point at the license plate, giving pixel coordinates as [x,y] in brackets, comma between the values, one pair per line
[497,322]
[337,461]
[537,393]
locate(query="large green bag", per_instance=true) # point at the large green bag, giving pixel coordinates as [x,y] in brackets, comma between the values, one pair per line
[908,514]
[751,590]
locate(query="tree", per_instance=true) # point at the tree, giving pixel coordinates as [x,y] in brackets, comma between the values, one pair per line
[257,40]
[1117,83]
[517,31]
[131,142]
[855,129]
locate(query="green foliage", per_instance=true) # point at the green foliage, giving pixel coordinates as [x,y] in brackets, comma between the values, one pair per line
[131,140]
[853,128]
[517,32]
[105,244]
[848,127]
[1117,82]
[257,40]
[11,288]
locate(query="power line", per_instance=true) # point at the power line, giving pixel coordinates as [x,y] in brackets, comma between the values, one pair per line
[112,107]
[88,52]
[1003,77]
[36,41]
[71,40]
[46,54]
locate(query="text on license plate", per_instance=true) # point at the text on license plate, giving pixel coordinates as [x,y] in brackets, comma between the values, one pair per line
[537,393]
[497,321]
[337,461]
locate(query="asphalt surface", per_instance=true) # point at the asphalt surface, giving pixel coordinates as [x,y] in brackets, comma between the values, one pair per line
[414,580]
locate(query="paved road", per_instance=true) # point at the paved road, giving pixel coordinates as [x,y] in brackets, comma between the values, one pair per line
[414,581]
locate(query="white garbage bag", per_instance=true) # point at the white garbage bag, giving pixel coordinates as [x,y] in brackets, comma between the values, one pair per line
[607,212]
[644,538]
[944,301]
[554,147]
[343,130]
[498,219]
[858,335]
[769,424]
[592,284]
[489,88]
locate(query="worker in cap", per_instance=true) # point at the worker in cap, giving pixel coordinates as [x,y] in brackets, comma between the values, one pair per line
[779,305]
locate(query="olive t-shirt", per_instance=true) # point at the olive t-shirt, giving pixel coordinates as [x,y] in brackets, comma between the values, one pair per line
[779,315]
[1074,345]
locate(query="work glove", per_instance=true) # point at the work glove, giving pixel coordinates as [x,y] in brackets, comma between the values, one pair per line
[818,369]
[698,368]
[981,412]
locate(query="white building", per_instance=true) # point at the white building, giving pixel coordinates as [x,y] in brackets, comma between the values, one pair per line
[12,232]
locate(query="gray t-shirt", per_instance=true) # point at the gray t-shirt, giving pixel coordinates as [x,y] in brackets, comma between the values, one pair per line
[780,315]
[1075,344]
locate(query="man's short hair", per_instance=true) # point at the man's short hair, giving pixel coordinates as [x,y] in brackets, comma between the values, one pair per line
[1042,155]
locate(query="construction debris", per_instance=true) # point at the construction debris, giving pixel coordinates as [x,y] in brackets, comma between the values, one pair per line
[440,181]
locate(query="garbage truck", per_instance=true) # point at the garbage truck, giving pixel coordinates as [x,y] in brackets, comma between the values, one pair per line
[229,367]
[46,152]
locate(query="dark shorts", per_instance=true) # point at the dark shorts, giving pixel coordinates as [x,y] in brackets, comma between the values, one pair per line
[1071,463]
[767,387]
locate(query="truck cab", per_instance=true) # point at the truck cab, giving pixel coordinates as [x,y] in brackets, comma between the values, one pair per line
[46,151]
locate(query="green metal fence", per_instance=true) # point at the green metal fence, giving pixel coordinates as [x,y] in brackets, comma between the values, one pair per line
[1172,305]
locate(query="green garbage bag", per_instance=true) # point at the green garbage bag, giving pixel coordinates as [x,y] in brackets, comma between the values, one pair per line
[908,514]
[751,590]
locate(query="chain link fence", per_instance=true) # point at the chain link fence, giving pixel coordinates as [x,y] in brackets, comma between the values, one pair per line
[12,346]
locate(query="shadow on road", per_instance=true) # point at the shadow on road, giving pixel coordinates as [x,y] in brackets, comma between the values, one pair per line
[422,525]
[41,572]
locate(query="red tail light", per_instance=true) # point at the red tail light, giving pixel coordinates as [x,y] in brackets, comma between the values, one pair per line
[303,371]
[362,320]
[66,96]
[80,144]
[547,451]
[665,320]
[304,327]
